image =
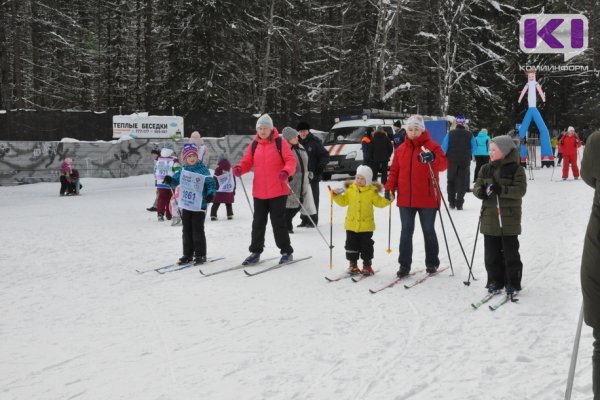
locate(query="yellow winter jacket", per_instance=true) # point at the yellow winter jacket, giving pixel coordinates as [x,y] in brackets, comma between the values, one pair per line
[360,202]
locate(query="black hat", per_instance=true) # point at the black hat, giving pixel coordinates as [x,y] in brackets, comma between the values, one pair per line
[398,124]
[302,126]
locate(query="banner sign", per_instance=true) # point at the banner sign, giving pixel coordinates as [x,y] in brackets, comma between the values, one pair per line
[147,127]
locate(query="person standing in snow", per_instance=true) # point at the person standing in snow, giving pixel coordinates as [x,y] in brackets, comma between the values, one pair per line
[299,182]
[273,164]
[590,269]
[360,196]
[154,153]
[410,177]
[225,189]
[458,145]
[166,165]
[502,183]
[381,150]
[569,144]
[318,157]
[203,153]
[481,153]
[66,169]
[399,134]
[197,189]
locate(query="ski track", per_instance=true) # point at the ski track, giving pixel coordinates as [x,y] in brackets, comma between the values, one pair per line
[83,317]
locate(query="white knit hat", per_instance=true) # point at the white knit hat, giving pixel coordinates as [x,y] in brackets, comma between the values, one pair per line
[417,121]
[366,173]
[570,129]
[265,121]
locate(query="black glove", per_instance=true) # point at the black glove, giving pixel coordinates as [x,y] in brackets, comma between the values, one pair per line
[493,189]
[290,178]
[210,198]
[426,157]
[168,180]
[388,195]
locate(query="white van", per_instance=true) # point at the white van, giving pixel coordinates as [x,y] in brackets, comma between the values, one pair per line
[343,142]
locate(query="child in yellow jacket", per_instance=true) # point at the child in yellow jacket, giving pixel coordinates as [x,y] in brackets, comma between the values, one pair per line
[360,196]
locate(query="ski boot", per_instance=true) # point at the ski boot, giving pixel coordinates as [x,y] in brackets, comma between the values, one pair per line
[353,269]
[253,258]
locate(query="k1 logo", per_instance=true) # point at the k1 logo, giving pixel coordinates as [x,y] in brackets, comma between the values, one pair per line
[554,33]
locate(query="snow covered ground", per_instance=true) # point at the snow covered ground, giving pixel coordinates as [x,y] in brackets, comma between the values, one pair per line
[77,321]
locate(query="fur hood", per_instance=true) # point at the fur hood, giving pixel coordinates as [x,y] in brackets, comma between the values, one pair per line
[378,186]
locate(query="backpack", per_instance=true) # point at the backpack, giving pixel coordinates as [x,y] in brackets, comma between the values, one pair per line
[277,143]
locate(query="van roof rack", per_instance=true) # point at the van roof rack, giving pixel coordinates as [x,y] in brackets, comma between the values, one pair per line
[368,113]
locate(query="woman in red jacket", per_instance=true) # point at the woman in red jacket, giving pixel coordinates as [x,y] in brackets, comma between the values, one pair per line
[569,144]
[410,177]
[273,164]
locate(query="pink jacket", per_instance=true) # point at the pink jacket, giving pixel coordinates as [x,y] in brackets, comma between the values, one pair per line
[267,164]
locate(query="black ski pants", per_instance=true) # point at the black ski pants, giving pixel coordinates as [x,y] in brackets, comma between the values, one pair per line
[503,261]
[458,181]
[194,239]
[380,166]
[359,244]
[275,208]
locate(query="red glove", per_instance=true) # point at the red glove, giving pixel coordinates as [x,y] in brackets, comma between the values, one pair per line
[283,176]
[237,171]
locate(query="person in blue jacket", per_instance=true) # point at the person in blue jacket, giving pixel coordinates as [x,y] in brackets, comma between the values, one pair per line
[481,152]
[197,189]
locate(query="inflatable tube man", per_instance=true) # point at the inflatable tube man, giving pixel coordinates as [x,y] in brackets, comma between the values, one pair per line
[532,113]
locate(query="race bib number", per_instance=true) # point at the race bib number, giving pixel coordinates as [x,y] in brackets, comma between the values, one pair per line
[162,168]
[226,183]
[191,188]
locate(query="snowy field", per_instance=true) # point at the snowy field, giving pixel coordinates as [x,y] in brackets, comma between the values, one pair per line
[77,321]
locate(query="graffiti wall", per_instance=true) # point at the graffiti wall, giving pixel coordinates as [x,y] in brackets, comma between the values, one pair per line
[31,162]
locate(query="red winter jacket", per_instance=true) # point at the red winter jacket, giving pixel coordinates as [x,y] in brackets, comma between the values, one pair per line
[411,178]
[569,145]
[267,164]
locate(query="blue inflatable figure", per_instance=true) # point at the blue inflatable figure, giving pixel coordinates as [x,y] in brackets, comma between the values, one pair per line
[532,113]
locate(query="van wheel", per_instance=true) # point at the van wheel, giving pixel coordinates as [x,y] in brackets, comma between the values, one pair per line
[326,176]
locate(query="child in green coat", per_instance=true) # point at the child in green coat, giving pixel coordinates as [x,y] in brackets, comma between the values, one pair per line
[501,185]
[360,196]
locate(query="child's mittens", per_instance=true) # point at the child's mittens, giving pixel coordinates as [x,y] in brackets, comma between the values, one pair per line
[493,189]
[337,191]
[167,180]
[389,196]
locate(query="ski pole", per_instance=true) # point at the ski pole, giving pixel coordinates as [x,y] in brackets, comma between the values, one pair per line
[389,249]
[574,357]
[309,217]
[437,187]
[468,281]
[246,194]
[176,202]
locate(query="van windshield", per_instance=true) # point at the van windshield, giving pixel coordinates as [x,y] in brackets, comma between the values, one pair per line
[351,134]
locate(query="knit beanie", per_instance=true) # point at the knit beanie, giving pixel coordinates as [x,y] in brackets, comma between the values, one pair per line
[303,126]
[289,133]
[570,129]
[264,121]
[366,173]
[168,145]
[398,124]
[69,160]
[460,119]
[188,150]
[505,143]
[417,121]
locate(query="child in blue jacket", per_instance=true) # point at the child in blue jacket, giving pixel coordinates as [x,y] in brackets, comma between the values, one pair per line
[197,189]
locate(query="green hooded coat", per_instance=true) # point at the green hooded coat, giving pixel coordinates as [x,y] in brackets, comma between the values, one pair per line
[511,177]
[590,266]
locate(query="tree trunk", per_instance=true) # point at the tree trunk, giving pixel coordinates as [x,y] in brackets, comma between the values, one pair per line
[265,65]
